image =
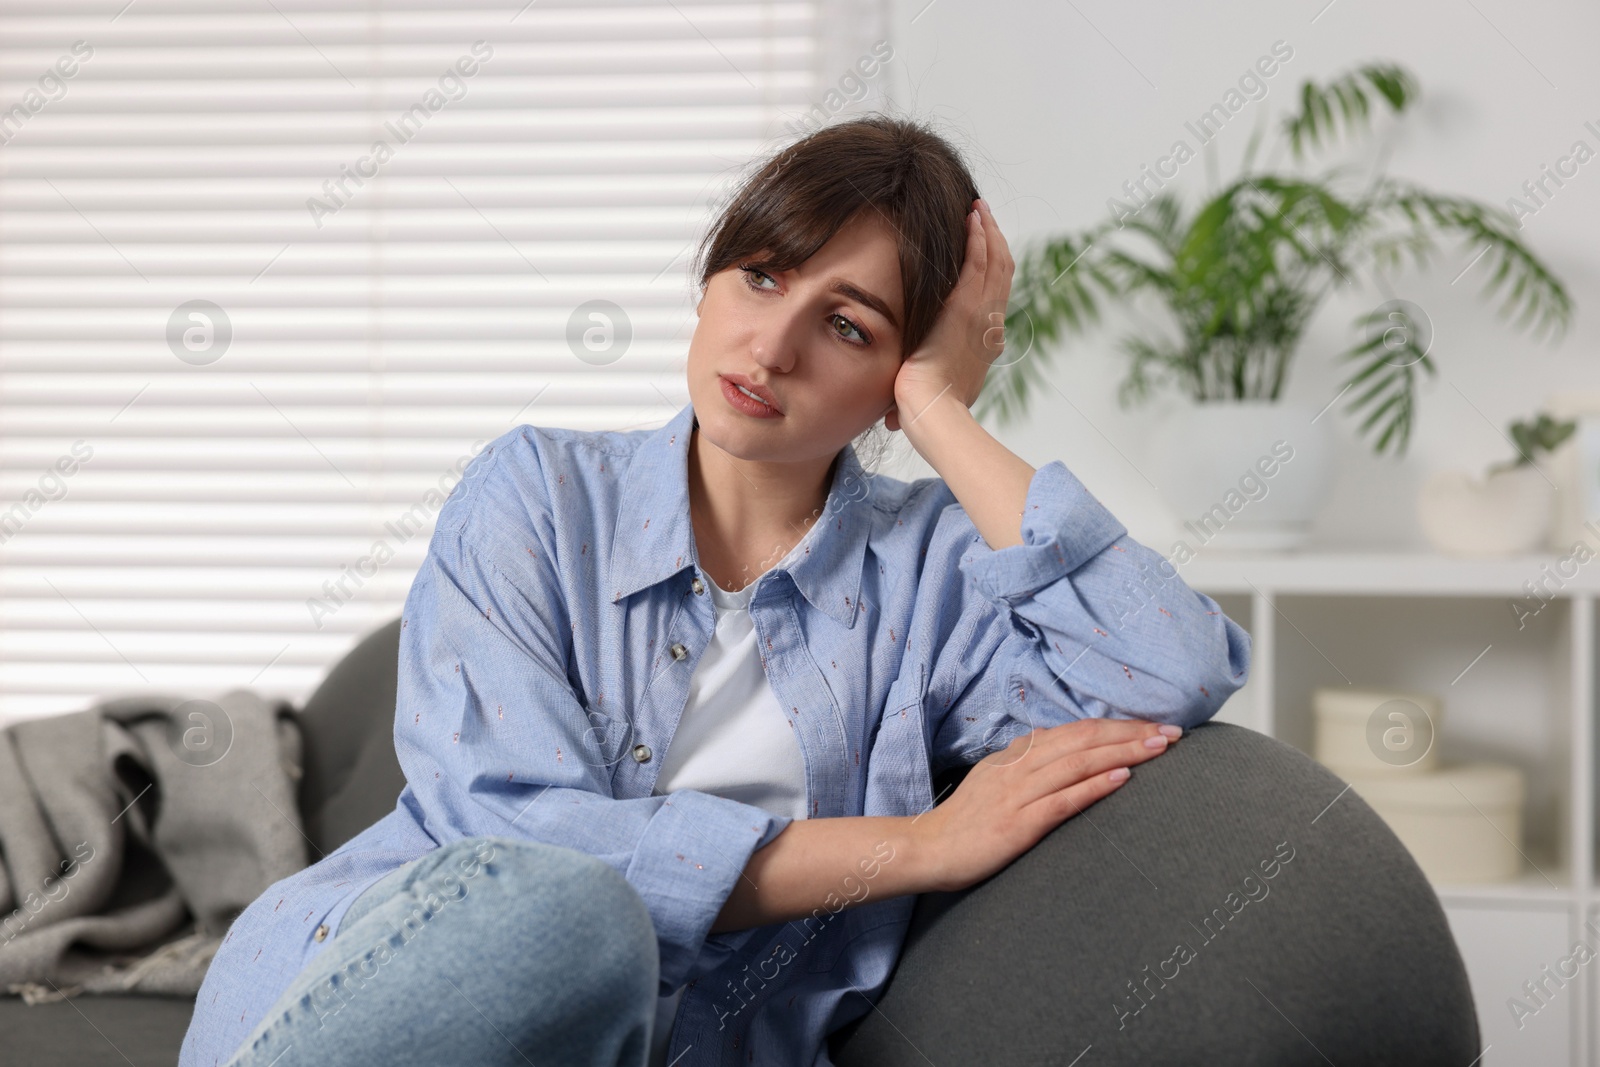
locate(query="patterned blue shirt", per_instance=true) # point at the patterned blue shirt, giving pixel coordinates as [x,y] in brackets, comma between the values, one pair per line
[546,650]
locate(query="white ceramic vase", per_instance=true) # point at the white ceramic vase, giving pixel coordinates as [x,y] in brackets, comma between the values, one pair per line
[1244,475]
[1507,513]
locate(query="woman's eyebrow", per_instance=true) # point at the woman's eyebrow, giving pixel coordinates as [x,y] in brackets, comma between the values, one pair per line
[844,288]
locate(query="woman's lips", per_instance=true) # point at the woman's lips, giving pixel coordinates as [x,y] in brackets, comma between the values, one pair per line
[747,404]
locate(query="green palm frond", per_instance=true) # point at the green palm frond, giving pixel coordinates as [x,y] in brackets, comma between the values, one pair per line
[1316,119]
[1052,294]
[1388,359]
[1540,296]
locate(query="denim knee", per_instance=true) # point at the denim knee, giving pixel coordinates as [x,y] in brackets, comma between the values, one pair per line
[595,905]
[510,923]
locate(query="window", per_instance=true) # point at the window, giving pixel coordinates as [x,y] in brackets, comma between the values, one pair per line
[271,272]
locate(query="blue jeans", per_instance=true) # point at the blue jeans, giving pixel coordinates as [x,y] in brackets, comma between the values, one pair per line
[487,950]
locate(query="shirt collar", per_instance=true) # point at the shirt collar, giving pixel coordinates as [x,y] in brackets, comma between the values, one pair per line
[654,538]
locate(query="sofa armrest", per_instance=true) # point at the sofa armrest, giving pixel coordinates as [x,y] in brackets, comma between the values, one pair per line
[1216,909]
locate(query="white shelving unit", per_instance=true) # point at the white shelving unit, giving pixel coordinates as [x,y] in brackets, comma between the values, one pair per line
[1513,690]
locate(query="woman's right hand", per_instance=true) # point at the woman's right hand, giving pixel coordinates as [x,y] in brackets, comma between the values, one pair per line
[1011,798]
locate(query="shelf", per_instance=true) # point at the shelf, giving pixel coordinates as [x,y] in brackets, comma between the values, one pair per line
[1528,889]
[1385,574]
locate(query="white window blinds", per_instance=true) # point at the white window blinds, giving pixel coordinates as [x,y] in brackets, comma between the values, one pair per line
[270,274]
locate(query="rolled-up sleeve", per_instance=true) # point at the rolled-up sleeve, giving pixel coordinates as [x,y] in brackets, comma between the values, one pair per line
[493,739]
[1078,621]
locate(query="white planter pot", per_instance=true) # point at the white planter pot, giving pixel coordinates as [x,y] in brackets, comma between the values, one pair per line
[1502,515]
[1244,475]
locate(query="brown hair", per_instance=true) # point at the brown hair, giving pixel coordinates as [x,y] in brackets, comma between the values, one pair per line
[803,194]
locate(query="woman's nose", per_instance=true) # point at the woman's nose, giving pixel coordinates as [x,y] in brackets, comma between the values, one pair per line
[775,346]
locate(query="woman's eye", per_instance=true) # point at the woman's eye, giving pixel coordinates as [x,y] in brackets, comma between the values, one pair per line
[861,337]
[748,271]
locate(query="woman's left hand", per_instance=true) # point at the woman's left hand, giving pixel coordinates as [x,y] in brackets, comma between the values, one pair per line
[968,335]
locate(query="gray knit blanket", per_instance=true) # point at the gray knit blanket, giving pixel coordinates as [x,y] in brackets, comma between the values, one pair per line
[134,832]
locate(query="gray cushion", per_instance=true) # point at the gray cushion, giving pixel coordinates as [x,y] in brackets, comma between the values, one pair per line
[94,1031]
[352,778]
[1344,955]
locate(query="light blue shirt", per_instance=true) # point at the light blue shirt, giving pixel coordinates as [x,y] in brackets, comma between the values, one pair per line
[546,649]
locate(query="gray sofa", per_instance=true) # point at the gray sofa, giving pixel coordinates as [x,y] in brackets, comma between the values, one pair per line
[1146,929]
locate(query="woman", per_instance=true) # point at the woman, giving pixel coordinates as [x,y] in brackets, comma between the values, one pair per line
[670,701]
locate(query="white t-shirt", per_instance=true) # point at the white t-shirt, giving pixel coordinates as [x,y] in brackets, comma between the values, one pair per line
[733,739]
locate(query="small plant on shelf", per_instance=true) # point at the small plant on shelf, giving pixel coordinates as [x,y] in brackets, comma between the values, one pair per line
[1508,510]
[1530,438]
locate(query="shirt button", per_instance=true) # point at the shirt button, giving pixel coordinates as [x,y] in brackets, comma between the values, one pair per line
[698,586]
[322,932]
[641,753]
[678,650]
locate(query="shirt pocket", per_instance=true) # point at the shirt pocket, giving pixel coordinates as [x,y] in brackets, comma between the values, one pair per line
[898,780]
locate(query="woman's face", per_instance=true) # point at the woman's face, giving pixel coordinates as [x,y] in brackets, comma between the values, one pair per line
[824,338]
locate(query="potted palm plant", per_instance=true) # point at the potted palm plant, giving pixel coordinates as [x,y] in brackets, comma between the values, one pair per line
[1240,278]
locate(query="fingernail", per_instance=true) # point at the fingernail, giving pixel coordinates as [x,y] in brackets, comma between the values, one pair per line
[983,203]
[1155,741]
[1171,731]
[1119,774]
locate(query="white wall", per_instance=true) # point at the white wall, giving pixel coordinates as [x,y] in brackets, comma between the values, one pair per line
[1059,104]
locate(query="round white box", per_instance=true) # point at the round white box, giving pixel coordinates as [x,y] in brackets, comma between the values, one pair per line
[1461,823]
[1348,741]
